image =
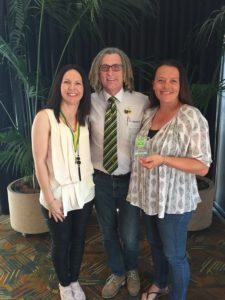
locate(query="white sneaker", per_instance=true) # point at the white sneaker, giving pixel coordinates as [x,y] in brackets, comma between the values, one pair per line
[78,293]
[66,292]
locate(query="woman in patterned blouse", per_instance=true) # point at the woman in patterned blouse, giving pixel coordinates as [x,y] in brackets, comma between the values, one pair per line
[163,182]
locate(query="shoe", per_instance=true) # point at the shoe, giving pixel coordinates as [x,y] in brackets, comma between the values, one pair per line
[156,295]
[66,292]
[133,282]
[112,286]
[77,290]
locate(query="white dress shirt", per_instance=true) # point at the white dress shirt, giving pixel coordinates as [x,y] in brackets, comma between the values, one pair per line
[130,110]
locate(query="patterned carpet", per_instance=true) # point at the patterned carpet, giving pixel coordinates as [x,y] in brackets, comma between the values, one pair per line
[26,272]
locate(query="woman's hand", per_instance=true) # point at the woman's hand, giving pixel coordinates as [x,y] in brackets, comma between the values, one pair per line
[185,164]
[55,209]
[152,161]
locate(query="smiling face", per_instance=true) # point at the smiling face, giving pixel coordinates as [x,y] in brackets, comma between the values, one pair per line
[112,80]
[166,84]
[72,89]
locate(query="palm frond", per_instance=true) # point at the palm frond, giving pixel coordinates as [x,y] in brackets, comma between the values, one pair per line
[15,153]
[144,66]
[18,62]
[202,93]
[18,12]
[214,24]
[75,25]
[126,12]
[38,58]
[122,12]
[7,113]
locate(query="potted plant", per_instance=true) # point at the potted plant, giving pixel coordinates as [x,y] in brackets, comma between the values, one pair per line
[25,215]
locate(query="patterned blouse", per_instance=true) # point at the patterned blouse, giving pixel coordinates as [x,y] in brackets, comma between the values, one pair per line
[165,189]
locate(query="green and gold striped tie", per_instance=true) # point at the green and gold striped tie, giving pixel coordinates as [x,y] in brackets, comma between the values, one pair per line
[110,161]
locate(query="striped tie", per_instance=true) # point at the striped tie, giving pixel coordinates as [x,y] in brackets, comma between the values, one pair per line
[110,161]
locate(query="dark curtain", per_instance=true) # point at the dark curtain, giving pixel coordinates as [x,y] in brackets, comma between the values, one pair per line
[5,85]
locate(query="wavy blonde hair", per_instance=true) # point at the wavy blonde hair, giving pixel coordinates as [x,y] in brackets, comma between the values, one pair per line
[128,79]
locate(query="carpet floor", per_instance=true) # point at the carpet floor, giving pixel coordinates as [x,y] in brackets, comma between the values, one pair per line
[26,271]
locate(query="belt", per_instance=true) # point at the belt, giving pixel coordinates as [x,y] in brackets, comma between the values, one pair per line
[122,176]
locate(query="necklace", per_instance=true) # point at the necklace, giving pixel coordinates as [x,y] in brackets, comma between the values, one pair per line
[75,138]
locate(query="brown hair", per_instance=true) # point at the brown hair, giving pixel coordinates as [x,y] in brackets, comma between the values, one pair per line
[184,94]
[55,100]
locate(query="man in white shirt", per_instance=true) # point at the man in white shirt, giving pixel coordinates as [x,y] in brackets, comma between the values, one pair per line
[111,75]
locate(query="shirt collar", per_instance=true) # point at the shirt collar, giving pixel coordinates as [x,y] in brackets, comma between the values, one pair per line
[118,96]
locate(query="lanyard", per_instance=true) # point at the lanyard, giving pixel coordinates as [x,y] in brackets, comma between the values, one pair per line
[75,137]
[75,134]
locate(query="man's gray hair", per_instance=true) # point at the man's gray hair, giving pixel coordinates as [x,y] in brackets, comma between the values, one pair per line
[128,79]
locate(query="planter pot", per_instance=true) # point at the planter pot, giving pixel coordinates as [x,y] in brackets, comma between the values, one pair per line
[202,217]
[25,213]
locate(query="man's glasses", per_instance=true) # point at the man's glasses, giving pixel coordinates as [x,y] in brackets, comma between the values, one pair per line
[115,67]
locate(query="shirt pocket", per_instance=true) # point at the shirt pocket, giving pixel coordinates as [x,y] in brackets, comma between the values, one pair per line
[133,129]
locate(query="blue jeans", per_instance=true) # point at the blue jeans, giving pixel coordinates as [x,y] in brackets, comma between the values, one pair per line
[68,240]
[167,238]
[119,222]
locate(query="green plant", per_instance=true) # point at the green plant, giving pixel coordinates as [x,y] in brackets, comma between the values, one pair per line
[70,17]
[202,93]
[214,26]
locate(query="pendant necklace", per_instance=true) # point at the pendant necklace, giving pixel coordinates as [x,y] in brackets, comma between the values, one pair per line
[75,138]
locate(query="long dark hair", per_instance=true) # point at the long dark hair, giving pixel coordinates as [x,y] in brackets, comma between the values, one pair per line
[184,93]
[55,100]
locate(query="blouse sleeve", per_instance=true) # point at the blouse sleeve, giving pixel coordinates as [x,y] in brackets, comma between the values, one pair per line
[199,146]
